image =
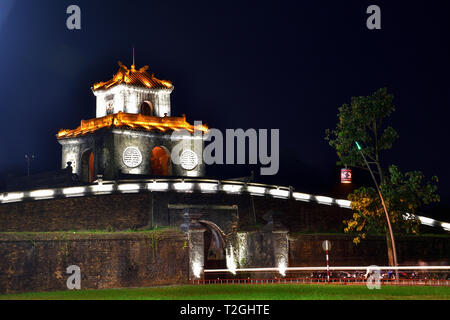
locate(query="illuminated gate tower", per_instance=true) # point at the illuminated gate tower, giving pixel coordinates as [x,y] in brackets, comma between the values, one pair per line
[131,133]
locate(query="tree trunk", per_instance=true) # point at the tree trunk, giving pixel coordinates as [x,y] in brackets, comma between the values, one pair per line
[389,249]
[380,173]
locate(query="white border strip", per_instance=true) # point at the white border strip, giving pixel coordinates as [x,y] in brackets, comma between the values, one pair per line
[332,268]
[188,185]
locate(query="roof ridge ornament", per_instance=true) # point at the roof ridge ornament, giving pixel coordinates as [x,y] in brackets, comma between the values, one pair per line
[144,68]
[134,77]
[122,65]
[133,66]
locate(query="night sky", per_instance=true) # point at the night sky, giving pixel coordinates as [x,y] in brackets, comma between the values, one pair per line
[280,64]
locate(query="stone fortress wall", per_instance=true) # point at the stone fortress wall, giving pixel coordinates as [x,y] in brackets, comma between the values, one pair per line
[38,262]
[37,239]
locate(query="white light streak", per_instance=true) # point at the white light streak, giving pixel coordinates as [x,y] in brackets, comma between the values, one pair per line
[427,221]
[332,268]
[197,269]
[102,188]
[129,187]
[282,267]
[231,262]
[277,193]
[242,247]
[259,191]
[203,187]
[42,193]
[13,197]
[182,186]
[208,186]
[74,191]
[232,188]
[158,186]
[301,196]
[324,200]
[343,203]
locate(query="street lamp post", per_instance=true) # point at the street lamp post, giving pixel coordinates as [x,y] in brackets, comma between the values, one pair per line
[391,234]
[28,159]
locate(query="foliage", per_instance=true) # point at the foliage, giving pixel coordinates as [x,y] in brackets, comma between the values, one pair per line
[403,194]
[363,121]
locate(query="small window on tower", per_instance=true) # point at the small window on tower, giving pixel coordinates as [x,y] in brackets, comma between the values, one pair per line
[160,162]
[109,99]
[110,107]
[146,108]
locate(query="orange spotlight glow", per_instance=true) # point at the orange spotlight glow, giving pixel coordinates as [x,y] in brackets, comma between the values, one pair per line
[131,120]
[140,78]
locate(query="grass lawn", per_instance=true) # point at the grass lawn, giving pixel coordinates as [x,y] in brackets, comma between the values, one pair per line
[246,292]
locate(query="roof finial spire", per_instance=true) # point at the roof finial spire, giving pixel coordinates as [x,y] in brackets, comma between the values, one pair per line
[133,65]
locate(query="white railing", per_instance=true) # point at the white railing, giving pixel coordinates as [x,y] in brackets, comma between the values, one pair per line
[408,275]
[177,185]
[195,185]
[348,268]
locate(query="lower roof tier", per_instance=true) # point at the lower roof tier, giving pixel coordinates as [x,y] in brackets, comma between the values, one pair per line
[132,121]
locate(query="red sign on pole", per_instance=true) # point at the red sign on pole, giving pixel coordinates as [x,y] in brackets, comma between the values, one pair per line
[346,175]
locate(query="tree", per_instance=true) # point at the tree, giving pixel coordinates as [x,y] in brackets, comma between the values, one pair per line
[364,120]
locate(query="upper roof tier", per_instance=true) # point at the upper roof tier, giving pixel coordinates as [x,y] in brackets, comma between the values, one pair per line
[135,77]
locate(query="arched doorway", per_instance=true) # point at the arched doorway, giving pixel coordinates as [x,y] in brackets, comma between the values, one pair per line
[147,108]
[160,162]
[87,166]
[214,246]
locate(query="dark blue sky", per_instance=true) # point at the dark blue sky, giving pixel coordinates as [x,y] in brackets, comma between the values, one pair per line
[234,64]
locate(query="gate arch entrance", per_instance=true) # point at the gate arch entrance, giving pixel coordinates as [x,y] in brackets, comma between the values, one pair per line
[214,247]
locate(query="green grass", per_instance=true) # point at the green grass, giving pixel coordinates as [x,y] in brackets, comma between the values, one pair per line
[86,234]
[246,292]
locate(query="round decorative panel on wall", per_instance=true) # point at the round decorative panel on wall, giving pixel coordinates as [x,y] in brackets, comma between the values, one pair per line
[188,160]
[132,157]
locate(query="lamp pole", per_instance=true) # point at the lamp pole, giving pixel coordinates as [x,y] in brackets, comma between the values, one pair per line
[28,159]
[391,234]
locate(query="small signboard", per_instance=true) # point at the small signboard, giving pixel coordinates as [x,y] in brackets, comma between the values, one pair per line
[346,175]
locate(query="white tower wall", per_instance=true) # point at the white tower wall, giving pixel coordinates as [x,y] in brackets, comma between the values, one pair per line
[123,98]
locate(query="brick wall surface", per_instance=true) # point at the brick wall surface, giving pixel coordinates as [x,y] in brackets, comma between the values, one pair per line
[306,250]
[38,262]
[118,211]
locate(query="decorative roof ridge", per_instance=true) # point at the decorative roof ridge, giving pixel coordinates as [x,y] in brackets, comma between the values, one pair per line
[135,77]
